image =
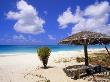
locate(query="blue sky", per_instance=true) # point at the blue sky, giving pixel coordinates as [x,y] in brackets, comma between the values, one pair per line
[39,22]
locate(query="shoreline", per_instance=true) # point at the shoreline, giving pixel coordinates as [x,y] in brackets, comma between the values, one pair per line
[64,52]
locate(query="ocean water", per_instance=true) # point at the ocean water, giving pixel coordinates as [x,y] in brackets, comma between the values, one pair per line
[54,48]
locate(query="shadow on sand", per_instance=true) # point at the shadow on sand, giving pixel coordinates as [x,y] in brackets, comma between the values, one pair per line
[48,67]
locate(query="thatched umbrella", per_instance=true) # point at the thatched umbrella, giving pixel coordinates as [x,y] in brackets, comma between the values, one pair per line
[85,38]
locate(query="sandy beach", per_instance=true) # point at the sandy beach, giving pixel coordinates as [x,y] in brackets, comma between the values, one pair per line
[26,67]
[54,40]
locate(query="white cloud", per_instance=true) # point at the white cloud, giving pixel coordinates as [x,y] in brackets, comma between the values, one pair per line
[97,10]
[93,18]
[33,40]
[27,18]
[24,39]
[51,37]
[19,37]
[68,17]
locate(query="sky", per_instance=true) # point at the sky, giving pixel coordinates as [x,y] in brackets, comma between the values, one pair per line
[45,22]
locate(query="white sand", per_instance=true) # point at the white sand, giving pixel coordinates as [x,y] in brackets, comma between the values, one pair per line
[26,67]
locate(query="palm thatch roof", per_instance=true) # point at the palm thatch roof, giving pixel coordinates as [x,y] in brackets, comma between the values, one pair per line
[86,37]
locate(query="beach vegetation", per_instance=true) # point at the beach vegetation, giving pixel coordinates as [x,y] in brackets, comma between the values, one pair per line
[97,59]
[43,54]
[80,59]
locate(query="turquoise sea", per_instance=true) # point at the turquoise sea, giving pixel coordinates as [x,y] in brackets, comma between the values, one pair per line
[54,48]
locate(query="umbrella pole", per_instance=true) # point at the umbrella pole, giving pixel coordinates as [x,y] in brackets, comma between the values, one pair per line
[86,54]
[107,50]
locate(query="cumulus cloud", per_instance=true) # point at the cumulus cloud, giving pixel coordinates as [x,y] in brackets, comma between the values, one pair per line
[66,18]
[27,19]
[51,37]
[93,18]
[97,10]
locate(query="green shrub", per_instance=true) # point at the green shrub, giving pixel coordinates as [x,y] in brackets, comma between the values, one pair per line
[90,59]
[80,59]
[43,54]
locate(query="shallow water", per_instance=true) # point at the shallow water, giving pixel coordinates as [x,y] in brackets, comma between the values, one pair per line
[54,48]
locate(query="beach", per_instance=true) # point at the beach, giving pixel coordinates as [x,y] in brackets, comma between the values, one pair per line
[55,41]
[26,67]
